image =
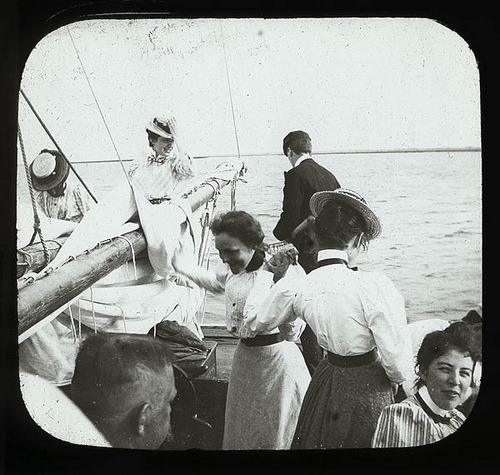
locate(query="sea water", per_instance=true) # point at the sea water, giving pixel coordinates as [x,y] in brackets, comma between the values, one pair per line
[429,203]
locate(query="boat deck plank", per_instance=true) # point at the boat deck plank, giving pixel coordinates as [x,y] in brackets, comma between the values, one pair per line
[226,344]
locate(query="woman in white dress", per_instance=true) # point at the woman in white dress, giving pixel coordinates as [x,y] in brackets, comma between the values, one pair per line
[269,377]
[166,167]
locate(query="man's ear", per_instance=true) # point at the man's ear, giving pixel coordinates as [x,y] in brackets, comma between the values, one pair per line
[144,414]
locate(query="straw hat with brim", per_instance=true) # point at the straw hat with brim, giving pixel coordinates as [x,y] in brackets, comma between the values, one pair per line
[48,171]
[160,127]
[348,198]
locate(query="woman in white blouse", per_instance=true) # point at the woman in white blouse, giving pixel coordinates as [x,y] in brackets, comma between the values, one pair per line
[445,364]
[166,167]
[358,318]
[269,376]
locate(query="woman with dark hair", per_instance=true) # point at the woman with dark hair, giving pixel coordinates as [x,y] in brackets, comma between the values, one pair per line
[445,367]
[358,318]
[269,376]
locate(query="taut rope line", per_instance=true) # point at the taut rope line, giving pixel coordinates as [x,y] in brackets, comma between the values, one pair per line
[230,93]
[235,179]
[56,145]
[98,106]
[36,225]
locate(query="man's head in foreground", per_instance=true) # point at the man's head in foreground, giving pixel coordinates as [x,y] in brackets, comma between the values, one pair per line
[125,383]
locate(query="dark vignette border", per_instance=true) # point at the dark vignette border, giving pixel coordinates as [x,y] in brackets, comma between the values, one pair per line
[25,448]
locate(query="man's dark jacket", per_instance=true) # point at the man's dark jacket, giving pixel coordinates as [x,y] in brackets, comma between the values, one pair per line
[301,182]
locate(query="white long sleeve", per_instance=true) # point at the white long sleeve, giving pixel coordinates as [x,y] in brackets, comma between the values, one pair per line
[386,318]
[276,309]
[205,278]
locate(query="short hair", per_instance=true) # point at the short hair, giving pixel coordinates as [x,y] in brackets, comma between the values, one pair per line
[337,224]
[240,225]
[459,336]
[111,366]
[298,141]
[467,336]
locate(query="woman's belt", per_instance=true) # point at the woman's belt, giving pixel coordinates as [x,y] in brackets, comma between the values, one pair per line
[352,361]
[263,340]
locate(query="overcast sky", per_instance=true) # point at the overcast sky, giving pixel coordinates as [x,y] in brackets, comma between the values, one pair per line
[353,84]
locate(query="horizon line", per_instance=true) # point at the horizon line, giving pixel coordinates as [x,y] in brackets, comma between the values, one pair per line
[339,152]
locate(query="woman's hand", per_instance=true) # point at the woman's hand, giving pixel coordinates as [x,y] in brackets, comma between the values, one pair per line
[279,262]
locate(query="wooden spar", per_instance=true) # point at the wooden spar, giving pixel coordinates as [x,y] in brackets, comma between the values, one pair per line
[31,258]
[46,295]
[43,297]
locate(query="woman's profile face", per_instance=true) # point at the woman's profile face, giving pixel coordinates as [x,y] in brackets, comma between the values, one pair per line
[162,146]
[448,379]
[233,252]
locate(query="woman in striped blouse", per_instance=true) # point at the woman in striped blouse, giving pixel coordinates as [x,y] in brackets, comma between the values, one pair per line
[445,366]
[57,196]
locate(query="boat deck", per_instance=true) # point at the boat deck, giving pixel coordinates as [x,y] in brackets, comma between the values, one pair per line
[209,389]
[226,344]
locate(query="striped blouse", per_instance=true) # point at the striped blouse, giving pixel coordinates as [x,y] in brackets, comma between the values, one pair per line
[411,423]
[71,206]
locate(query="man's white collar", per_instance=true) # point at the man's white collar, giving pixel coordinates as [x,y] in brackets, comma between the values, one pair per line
[301,159]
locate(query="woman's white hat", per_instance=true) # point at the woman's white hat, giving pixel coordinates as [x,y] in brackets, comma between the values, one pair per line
[161,127]
[349,198]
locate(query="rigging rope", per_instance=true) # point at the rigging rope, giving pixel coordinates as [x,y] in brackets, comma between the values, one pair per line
[229,87]
[205,245]
[37,227]
[98,106]
[56,145]
[235,179]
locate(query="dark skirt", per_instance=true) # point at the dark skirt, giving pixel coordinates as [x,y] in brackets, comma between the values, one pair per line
[342,406]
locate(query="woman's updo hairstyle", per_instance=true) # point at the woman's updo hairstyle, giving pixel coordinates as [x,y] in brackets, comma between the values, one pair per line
[240,225]
[244,227]
[337,224]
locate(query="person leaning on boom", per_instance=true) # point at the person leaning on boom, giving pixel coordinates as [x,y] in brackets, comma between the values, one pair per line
[57,196]
[304,179]
[50,352]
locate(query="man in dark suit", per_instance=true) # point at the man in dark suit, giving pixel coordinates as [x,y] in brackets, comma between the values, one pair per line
[301,182]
